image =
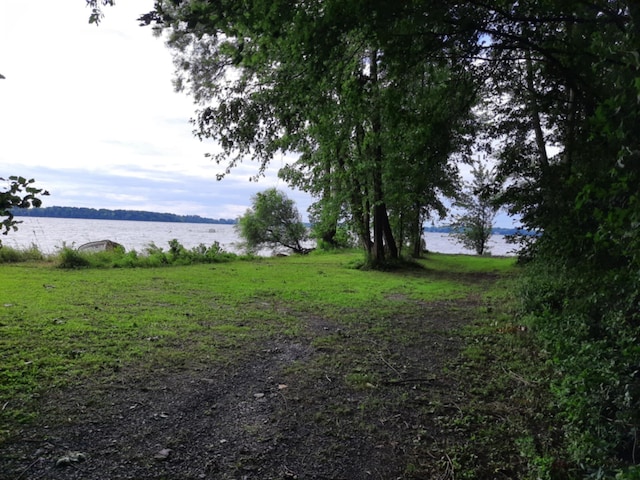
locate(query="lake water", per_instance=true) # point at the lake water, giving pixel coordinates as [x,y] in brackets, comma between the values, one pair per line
[51,234]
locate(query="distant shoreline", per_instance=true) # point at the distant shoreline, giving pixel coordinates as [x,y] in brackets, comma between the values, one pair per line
[495,231]
[143,216]
[105,214]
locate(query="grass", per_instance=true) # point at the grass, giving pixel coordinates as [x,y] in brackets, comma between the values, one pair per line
[60,328]
[60,325]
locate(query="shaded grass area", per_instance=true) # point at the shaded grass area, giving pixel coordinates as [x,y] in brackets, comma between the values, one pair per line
[425,362]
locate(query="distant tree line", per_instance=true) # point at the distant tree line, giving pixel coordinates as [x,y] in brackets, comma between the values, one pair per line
[494,231]
[105,214]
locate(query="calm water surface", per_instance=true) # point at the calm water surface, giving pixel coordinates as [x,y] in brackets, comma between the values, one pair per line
[51,234]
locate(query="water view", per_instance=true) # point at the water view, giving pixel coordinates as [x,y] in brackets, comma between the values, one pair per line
[51,234]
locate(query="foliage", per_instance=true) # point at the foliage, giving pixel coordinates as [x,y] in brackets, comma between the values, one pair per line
[474,226]
[375,112]
[71,258]
[13,255]
[18,193]
[340,238]
[97,15]
[566,83]
[591,335]
[272,221]
[153,256]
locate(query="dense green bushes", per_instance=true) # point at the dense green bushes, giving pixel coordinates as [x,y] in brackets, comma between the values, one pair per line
[13,255]
[153,256]
[589,330]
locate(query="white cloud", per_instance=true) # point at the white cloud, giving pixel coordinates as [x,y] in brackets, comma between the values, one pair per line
[91,114]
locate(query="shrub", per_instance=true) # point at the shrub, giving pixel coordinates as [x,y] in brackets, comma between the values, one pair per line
[342,239]
[590,327]
[13,255]
[71,258]
[153,256]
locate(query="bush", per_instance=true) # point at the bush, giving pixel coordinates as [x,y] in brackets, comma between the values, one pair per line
[71,258]
[343,239]
[153,256]
[589,327]
[272,222]
[12,255]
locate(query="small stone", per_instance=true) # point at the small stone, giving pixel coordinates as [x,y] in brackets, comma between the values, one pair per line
[63,461]
[77,456]
[71,457]
[163,454]
[258,395]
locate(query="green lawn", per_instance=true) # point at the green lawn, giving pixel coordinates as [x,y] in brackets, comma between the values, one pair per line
[63,328]
[58,326]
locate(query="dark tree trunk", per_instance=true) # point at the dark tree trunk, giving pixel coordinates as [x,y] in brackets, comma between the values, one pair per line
[388,235]
[416,234]
[379,213]
[381,227]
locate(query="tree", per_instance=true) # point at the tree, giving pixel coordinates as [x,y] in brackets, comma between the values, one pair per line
[318,77]
[474,226]
[567,75]
[272,221]
[322,78]
[18,193]
[96,9]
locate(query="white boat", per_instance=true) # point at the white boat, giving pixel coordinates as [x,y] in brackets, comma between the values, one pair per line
[100,246]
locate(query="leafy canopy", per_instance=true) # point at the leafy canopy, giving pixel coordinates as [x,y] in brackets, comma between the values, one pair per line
[272,221]
[17,193]
[375,103]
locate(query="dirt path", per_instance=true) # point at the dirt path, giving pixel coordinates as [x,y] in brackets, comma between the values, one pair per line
[336,402]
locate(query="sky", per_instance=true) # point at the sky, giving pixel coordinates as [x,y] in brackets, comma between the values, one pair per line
[91,114]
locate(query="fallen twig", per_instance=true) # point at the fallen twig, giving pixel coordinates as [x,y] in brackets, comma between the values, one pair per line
[388,364]
[409,380]
[519,378]
[28,468]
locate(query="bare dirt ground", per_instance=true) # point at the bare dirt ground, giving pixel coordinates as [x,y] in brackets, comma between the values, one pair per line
[336,402]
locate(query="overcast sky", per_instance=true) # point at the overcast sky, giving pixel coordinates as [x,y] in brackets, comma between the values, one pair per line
[91,114]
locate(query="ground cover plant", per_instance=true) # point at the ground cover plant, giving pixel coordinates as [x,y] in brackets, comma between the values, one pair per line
[298,367]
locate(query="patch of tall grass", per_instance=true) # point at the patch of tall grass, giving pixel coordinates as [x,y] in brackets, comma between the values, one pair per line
[14,255]
[153,256]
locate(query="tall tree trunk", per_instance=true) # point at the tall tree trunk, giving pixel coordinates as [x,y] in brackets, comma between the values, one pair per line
[379,212]
[381,227]
[416,233]
[359,199]
[388,235]
[535,114]
[365,235]
[400,231]
[329,217]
